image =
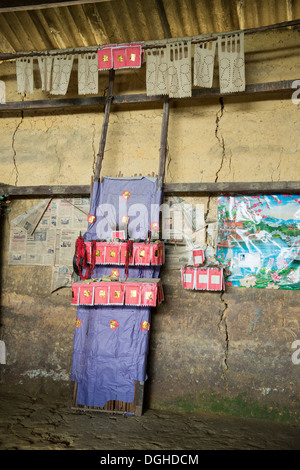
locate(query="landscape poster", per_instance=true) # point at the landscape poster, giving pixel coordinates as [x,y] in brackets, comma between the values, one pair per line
[259,240]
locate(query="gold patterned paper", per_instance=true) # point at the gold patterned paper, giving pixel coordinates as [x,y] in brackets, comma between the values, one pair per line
[86,293]
[133,293]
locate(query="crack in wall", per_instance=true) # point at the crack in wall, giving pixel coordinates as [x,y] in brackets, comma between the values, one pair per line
[223,325]
[14,149]
[220,139]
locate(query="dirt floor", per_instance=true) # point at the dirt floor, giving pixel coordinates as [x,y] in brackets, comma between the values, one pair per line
[36,424]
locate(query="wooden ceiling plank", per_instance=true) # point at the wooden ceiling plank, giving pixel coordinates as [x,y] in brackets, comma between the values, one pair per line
[5,45]
[46,30]
[41,30]
[57,28]
[163,18]
[71,18]
[9,34]
[43,6]
[96,24]
[79,17]
[37,39]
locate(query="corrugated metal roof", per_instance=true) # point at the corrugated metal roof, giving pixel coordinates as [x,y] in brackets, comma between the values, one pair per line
[83,23]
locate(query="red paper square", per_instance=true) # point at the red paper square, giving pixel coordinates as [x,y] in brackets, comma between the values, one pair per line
[119,57]
[157,253]
[160,293]
[86,295]
[202,278]
[215,279]
[101,295]
[132,294]
[112,253]
[100,253]
[142,254]
[75,294]
[187,277]
[118,234]
[133,56]
[105,61]
[198,257]
[149,294]
[123,254]
[116,295]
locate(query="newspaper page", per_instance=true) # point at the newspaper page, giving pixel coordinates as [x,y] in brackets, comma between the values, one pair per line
[46,235]
[30,219]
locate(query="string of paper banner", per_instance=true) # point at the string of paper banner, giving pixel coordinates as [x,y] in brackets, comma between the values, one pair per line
[168,66]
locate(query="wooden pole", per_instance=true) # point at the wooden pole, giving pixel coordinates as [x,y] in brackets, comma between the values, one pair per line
[100,154]
[163,141]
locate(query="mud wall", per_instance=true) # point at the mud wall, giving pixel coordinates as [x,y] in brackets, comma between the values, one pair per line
[229,352]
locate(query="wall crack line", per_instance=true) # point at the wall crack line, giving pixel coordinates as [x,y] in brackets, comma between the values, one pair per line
[222,325]
[14,149]
[220,139]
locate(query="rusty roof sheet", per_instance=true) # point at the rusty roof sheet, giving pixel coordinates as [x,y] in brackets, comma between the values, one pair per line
[67,24]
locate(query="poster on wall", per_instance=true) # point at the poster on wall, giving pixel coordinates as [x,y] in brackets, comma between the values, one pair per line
[259,240]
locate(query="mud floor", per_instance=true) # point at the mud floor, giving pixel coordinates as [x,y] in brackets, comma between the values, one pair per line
[36,424]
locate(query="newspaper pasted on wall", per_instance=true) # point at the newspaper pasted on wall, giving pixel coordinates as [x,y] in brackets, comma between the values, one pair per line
[46,234]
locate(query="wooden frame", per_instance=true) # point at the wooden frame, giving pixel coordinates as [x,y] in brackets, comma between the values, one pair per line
[114,406]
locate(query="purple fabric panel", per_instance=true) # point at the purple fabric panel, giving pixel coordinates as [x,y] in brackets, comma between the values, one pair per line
[109,207]
[107,362]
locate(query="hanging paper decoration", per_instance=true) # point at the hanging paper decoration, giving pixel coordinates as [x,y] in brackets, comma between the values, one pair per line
[105,61]
[115,253]
[169,70]
[204,56]
[231,63]
[120,56]
[179,71]
[139,292]
[62,66]
[198,257]
[2,92]
[259,240]
[24,70]
[157,82]
[202,278]
[87,73]
[45,66]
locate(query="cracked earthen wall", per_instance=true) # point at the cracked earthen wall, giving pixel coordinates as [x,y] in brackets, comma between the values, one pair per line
[205,347]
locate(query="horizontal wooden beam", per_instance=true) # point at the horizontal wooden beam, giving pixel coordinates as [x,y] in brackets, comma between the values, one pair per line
[26,6]
[234,188]
[251,89]
[169,189]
